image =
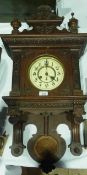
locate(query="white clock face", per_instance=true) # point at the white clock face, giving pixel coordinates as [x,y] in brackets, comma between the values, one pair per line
[46,72]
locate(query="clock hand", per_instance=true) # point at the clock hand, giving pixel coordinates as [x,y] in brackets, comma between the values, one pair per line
[52,77]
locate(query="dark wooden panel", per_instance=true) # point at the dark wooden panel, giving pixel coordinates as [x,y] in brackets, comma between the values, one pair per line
[20,8]
[31,171]
[57,171]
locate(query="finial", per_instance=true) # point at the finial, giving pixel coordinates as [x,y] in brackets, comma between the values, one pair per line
[72,14]
[73,24]
[16,24]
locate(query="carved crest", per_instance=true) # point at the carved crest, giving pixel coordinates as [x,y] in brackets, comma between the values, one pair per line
[44,21]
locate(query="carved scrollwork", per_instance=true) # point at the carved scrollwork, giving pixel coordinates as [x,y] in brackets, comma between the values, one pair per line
[78,109]
[44,28]
[75,146]
[46,105]
[17,143]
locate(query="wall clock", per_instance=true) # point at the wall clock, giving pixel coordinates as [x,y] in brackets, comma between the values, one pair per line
[45,59]
[46,72]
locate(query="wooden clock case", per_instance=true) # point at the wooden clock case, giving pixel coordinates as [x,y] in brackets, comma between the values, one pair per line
[63,105]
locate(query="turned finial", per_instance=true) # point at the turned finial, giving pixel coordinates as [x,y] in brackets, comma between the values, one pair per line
[73,24]
[16,24]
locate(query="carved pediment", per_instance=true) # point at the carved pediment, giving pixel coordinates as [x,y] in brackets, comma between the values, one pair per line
[44,20]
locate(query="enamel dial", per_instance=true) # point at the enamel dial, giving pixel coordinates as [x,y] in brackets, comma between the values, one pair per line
[46,72]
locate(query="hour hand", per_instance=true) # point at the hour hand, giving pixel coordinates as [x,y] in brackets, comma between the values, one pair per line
[52,78]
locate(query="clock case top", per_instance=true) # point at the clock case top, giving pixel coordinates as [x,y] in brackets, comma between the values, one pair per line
[45,39]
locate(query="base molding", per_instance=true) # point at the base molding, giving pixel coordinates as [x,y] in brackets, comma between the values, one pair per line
[57,171]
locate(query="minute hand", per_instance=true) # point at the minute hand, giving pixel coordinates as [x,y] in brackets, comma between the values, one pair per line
[52,77]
